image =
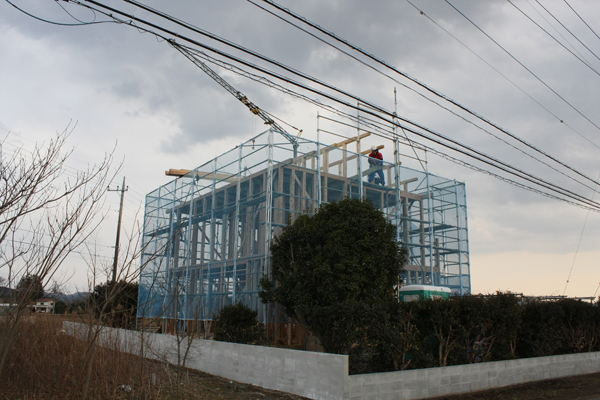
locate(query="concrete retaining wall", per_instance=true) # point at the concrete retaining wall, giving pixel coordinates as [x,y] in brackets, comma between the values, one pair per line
[309,374]
[325,376]
[432,382]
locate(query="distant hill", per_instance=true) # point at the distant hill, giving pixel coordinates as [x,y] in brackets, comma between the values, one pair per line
[76,297]
[8,294]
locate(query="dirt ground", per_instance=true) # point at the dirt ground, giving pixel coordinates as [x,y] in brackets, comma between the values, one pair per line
[199,385]
[583,387]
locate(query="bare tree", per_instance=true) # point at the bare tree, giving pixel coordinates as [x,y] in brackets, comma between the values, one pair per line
[147,317]
[131,264]
[103,307]
[46,213]
[186,330]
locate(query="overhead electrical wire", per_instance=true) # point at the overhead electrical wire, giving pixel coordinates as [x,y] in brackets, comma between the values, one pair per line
[551,24]
[426,87]
[57,23]
[582,20]
[591,205]
[469,151]
[374,128]
[423,13]
[596,290]
[580,57]
[577,249]
[68,171]
[567,29]
[72,16]
[379,128]
[527,69]
[181,22]
[231,44]
[289,69]
[446,156]
[463,149]
[433,101]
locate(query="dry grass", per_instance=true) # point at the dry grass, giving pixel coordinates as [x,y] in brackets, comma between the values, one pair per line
[46,363]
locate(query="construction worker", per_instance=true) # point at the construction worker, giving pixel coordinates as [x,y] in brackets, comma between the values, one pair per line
[376,159]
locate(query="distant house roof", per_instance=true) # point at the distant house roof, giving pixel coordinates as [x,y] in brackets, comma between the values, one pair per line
[41,300]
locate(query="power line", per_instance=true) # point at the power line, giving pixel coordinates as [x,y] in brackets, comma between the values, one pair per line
[475,154]
[271,84]
[582,20]
[57,23]
[426,87]
[567,29]
[67,169]
[264,58]
[78,252]
[463,149]
[596,290]
[585,62]
[515,85]
[528,70]
[484,60]
[383,131]
[468,151]
[155,11]
[578,243]
[427,98]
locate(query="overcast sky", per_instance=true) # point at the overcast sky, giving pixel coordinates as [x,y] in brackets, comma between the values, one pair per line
[126,88]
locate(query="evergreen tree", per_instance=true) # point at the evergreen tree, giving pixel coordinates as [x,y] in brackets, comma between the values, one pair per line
[334,271]
[30,288]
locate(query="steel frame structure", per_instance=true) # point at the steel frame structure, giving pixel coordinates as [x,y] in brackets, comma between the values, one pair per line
[207,234]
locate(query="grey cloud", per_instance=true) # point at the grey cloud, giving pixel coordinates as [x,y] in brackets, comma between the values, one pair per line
[112,71]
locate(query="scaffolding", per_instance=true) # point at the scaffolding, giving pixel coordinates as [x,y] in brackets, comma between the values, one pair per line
[207,234]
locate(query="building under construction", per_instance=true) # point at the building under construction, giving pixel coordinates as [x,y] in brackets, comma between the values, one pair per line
[207,233]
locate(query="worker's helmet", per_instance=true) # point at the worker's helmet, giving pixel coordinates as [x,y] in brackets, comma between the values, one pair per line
[373,148]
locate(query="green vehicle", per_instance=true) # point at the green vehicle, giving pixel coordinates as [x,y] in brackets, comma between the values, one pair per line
[422,292]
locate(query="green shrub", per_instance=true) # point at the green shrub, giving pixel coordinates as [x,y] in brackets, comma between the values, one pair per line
[543,330]
[506,313]
[376,336]
[581,326]
[60,307]
[237,323]
[116,303]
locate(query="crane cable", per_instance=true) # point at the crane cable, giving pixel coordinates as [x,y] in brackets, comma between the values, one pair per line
[463,149]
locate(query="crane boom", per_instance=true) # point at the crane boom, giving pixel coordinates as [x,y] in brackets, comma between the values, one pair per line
[236,93]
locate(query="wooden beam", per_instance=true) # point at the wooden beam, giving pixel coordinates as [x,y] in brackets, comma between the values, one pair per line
[177,172]
[203,175]
[409,180]
[352,139]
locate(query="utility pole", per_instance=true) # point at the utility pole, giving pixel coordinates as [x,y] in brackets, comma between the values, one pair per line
[122,190]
